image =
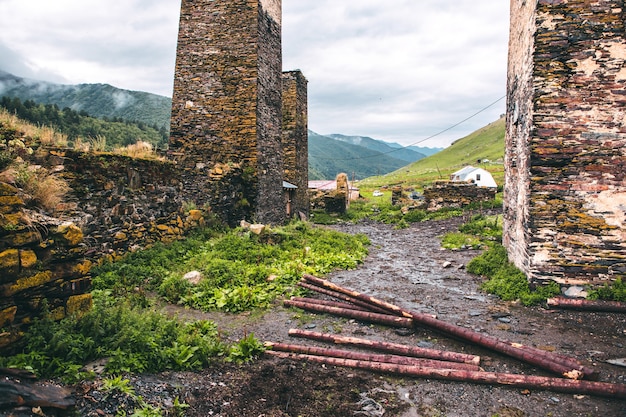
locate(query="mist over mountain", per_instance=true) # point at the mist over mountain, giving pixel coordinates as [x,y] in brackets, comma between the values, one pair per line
[98,100]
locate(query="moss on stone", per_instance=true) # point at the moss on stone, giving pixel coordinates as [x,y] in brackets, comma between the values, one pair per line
[78,304]
[22,284]
[7,316]
[70,233]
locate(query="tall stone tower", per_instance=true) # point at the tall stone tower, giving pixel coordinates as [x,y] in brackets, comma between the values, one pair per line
[565,186]
[296,138]
[227,107]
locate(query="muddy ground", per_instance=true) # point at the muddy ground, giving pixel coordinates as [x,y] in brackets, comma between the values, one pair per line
[405,267]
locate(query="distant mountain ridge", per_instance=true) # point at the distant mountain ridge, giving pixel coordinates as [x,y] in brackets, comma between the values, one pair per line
[98,100]
[395,150]
[356,156]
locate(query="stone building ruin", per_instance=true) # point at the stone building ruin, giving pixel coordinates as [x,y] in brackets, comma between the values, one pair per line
[227,110]
[565,191]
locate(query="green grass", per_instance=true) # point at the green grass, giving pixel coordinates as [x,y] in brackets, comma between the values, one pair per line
[484,144]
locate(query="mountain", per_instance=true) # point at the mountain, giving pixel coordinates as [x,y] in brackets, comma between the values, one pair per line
[329,157]
[397,151]
[98,100]
[358,156]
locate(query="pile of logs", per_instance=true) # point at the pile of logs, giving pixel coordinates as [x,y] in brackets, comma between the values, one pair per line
[429,363]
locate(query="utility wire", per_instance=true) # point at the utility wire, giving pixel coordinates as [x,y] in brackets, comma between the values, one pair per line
[421,140]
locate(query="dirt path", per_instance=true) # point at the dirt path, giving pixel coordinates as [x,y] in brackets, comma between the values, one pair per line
[408,268]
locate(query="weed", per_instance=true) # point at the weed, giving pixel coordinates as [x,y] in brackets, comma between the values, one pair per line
[147,410]
[139,149]
[118,384]
[246,350]
[134,340]
[179,407]
[460,241]
[615,292]
[46,190]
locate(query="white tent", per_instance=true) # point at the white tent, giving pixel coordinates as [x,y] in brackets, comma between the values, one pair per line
[479,176]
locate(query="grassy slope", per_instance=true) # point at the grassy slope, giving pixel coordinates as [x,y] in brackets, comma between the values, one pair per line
[485,143]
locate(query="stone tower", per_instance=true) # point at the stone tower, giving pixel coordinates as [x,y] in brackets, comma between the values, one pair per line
[296,138]
[565,186]
[227,107]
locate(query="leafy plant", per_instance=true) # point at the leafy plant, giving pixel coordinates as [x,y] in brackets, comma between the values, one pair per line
[460,241]
[246,350]
[133,340]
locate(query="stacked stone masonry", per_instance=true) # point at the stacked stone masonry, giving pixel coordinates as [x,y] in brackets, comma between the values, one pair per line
[227,107]
[295,138]
[42,266]
[565,187]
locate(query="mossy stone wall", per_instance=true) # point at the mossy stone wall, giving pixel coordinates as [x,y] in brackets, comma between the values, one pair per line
[565,187]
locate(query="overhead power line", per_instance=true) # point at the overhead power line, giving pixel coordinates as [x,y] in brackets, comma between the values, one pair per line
[421,140]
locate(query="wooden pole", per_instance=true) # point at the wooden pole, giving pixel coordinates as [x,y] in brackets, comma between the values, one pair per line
[343,297]
[588,305]
[373,357]
[367,316]
[388,347]
[330,303]
[603,389]
[569,369]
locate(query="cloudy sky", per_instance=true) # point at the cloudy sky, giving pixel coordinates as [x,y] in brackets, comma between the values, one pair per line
[397,70]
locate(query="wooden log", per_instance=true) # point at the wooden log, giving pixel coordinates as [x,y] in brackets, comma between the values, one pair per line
[587,305]
[603,389]
[330,303]
[343,297]
[569,369]
[388,347]
[366,316]
[373,357]
[14,394]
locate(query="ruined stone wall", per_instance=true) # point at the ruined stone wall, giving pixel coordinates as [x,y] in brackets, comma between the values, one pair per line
[565,191]
[226,107]
[295,137]
[456,194]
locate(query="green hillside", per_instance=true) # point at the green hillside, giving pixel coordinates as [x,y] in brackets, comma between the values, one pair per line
[485,145]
